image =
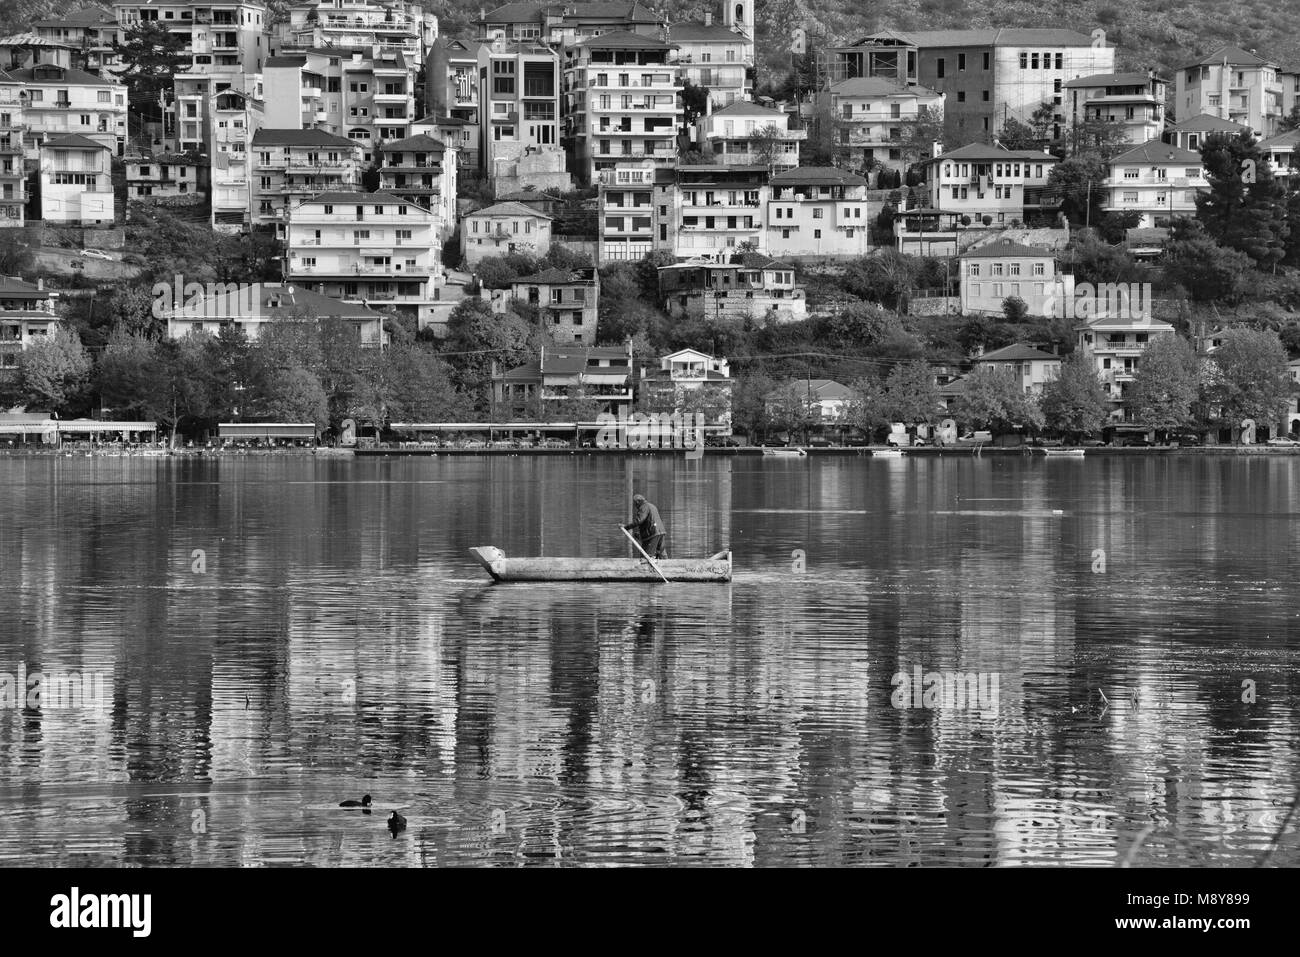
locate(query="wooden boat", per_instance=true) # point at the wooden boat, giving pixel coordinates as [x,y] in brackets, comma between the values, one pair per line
[767,451]
[887,453]
[715,568]
[1066,453]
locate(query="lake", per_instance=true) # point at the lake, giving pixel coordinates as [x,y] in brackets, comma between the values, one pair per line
[959,660]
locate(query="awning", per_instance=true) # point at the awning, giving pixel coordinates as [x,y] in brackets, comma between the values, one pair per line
[267,430]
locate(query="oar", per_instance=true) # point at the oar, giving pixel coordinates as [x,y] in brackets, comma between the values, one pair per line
[643,552]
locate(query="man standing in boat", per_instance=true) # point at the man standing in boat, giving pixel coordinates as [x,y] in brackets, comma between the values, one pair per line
[648,527]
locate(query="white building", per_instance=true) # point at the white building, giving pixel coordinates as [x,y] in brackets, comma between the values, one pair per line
[874,118]
[422,170]
[718,57]
[1032,368]
[369,248]
[746,134]
[504,228]
[218,35]
[1136,101]
[1116,346]
[818,211]
[987,181]
[1235,85]
[76,182]
[1004,269]
[253,307]
[1158,181]
[60,101]
[290,165]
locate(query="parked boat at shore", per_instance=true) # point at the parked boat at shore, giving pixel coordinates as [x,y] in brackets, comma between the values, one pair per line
[887,454]
[1062,453]
[789,452]
[715,568]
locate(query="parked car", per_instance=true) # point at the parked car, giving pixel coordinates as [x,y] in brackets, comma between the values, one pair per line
[96,254]
[1186,439]
[1137,442]
[1284,443]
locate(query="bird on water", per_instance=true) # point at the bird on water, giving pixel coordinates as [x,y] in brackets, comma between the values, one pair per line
[364,802]
[396,824]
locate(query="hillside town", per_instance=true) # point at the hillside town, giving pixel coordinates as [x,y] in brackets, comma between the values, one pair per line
[342,225]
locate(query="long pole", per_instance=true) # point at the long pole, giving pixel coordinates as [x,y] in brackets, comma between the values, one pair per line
[643,552]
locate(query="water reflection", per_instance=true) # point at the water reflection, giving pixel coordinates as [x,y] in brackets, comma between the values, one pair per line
[336,639]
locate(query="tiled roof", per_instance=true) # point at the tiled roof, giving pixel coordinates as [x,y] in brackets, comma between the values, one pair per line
[978,151]
[691,32]
[1016,352]
[625,40]
[1004,37]
[73,141]
[81,17]
[346,197]
[1157,152]
[420,141]
[759,261]
[1233,55]
[1281,141]
[1208,123]
[66,75]
[527,12]
[1006,247]
[508,209]
[551,277]
[746,108]
[878,86]
[287,298]
[288,59]
[817,176]
[1110,79]
[313,137]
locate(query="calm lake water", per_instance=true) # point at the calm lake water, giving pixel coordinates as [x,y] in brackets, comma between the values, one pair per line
[1130,624]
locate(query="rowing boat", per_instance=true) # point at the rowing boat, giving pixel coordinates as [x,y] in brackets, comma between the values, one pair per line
[791,452]
[1062,453]
[715,568]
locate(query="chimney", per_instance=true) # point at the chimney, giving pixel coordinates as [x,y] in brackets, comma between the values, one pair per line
[708,18]
[40,284]
[936,148]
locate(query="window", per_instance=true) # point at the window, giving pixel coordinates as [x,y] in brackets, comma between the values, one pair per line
[329,210]
[1040,269]
[309,262]
[1024,61]
[785,234]
[1033,61]
[819,213]
[939,68]
[1060,61]
[105,96]
[961,62]
[1130,173]
[986,60]
[986,96]
[817,234]
[973,269]
[1129,196]
[961,96]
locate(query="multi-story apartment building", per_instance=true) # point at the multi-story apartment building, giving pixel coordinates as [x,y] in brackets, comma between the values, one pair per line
[366,96]
[567,299]
[874,117]
[623,103]
[689,379]
[451,92]
[392,25]
[1116,345]
[1191,134]
[718,57]
[252,308]
[61,101]
[1159,181]
[746,134]
[290,165]
[368,248]
[818,211]
[749,285]
[603,374]
[987,76]
[519,93]
[1283,152]
[1232,84]
[26,316]
[90,30]
[235,118]
[987,181]
[1136,101]
[171,176]
[564,24]
[421,170]
[218,35]
[194,124]
[13,194]
[504,228]
[715,211]
[1001,270]
[628,212]
[1032,368]
[76,181]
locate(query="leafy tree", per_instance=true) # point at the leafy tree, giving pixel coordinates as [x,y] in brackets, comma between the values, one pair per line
[910,395]
[923,133]
[1291,121]
[1245,208]
[1212,273]
[54,372]
[1105,138]
[150,55]
[1114,227]
[868,408]
[130,377]
[789,408]
[16,256]
[1075,401]
[749,412]
[1078,180]
[695,102]
[994,399]
[1015,135]
[188,383]
[1248,378]
[1164,388]
[477,336]
[296,395]
[1015,309]
[885,278]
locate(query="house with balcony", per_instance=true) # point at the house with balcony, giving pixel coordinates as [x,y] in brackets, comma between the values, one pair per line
[1158,181]
[1032,368]
[1115,345]
[563,25]
[1235,85]
[874,118]
[216,35]
[193,116]
[1192,133]
[76,182]
[603,374]
[1004,269]
[251,308]
[1136,101]
[688,381]
[90,30]
[60,101]
[421,170]
[623,102]
[717,56]
[519,116]
[13,178]
[372,249]
[1004,186]
[714,211]
[501,229]
[628,219]
[290,165]
[176,178]
[819,211]
[26,317]
[568,301]
[392,26]
[454,133]
[451,91]
[235,119]
[21,51]
[746,134]
[824,402]
[751,285]
[1283,152]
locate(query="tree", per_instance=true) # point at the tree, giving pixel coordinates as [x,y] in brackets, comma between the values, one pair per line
[867,409]
[695,102]
[768,146]
[1015,309]
[1164,388]
[130,378]
[790,408]
[296,395]
[910,395]
[923,133]
[1291,121]
[1248,377]
[886,278]
[54,371]
[188,383]
[1078,181]
[749,413]
[150,55]
[994,399]
[477,336]
[1104,138]
[1015,135]
[16,257]
[1245,207]
[1210,272]
[1075,401]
